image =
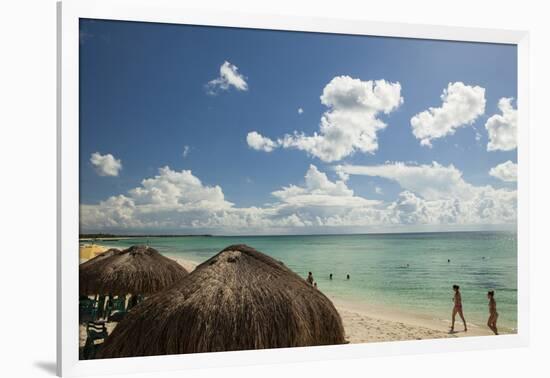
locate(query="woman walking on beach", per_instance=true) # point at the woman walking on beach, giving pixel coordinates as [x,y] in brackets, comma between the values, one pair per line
[493,314]
[457,299]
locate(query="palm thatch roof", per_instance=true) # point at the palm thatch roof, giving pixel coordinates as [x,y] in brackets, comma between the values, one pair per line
[239,299]
[136,270]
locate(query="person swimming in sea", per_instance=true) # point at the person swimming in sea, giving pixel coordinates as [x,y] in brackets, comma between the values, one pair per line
[330,276]
[309,278]
[347,277]
[457,309]
[493,314]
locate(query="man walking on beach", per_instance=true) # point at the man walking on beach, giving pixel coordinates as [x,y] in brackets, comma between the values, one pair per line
[457,299]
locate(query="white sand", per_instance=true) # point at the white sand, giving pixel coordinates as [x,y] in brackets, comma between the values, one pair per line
[364,324]
[188,265]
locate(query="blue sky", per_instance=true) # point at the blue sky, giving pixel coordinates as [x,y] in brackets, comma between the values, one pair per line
[145,99]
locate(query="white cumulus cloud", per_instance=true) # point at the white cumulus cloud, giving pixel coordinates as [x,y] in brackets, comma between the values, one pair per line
[351,122]
[168,200]
[506,171]
[431,181]
[105,165]
[229,77]
[503,128]
[259,142]
[462,105]
[319,191]
[437,194]
[177,201]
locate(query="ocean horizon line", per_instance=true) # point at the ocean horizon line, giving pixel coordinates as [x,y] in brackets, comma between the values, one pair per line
[100,236]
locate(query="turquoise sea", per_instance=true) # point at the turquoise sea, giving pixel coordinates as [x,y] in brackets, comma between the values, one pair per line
[408,272]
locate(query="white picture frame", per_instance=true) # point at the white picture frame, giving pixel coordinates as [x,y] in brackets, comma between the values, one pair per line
[69,12]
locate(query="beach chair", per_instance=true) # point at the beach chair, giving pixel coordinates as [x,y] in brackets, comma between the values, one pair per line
[87,310]
[94,331]
[116,304]
[116,309]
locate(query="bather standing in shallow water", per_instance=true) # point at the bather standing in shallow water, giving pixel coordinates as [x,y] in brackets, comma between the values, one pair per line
[457,309]
[493,314]
[309,278]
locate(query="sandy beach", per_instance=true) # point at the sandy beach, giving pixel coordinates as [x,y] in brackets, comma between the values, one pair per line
[364,323]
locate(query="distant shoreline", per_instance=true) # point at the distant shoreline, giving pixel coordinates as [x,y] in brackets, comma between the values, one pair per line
[86,237]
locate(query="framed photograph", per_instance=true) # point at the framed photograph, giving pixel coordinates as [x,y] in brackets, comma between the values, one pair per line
[244,188]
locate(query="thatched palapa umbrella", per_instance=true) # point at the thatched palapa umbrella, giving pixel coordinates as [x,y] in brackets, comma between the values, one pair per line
[136,270]
[239,299]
